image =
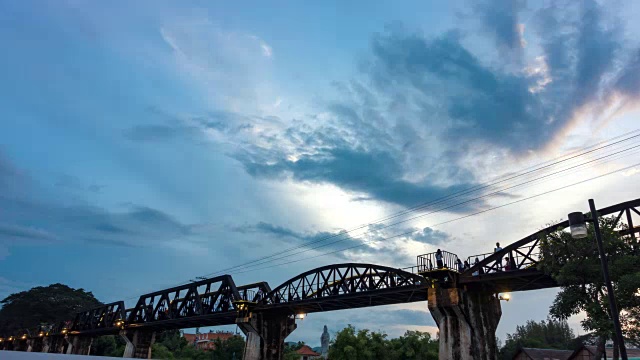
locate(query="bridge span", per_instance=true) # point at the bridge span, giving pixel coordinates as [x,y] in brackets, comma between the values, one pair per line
[463,301]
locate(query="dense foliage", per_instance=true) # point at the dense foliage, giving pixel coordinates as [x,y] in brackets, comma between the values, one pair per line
[575,265]
[550,334]
[350,344]
[171,345]
[50,304]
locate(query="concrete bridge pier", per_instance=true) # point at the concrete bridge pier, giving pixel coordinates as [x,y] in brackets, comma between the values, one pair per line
[467,321]
[68,345]
[57,344]
[138,343]
[265,335]
[43,345]
[80,345]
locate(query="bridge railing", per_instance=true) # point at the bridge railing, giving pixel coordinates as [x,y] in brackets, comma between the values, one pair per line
[429,262]
[521,258]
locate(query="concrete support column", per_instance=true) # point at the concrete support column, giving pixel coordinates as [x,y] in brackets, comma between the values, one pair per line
[69,342]
[30,345]
[81,345]
[45,344]
[138,343]
[58,344]
[467,322]
[265,335]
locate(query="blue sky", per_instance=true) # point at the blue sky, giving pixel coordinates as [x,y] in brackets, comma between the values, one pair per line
[145,143]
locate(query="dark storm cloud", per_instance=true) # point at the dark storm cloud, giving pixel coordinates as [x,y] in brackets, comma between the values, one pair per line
[375,173]
[477,102]
[500,19]
[398,134]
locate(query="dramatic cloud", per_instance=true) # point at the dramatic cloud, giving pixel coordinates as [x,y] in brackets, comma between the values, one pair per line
[500,19]
[389,243]
[427,115]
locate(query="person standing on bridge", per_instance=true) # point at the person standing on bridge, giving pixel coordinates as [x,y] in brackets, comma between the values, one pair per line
[498,260]
[460,266]
[466,265]
[439,259]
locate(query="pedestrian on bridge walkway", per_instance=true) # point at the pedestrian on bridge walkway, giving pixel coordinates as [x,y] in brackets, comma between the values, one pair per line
[439,259]
[499,259]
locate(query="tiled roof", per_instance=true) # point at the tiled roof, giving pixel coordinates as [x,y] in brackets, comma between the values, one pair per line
[306,350]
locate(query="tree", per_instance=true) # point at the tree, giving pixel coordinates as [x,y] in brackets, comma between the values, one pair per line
[50,304]
[414,345]
[363,345]
[108,345]
[225,349]
[575,265]
[550,334]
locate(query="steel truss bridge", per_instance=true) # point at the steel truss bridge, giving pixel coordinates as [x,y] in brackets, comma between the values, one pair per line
[219,301]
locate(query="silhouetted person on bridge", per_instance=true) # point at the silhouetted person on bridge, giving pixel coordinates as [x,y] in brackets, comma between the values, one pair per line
[439,259]
[498,260]
[466,265]
[480,270]
[460,266]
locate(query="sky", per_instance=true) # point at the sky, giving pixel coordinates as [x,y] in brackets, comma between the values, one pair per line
[146,143]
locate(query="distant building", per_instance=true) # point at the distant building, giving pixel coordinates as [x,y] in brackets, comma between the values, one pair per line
[324,341]
[306,353]
[206,341]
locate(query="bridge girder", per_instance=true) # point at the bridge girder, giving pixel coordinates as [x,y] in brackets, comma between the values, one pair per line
[344,286]
[523,274]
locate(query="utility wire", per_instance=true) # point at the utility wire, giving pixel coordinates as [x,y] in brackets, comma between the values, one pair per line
[444,222]
[437,201]
[498,180]
[444,208]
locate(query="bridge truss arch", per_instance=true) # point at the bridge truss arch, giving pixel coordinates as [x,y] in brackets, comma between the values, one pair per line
[345,286]
[524,255]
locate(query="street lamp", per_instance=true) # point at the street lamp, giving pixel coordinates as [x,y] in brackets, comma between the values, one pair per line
[505,297]
[578,229]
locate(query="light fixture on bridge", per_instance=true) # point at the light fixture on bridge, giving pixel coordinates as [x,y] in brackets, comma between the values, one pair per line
[64,331]
[577,225]
[301,316]
[41,334]
[10,338]
[24,337]
[1,340]
[119,323]
[579,230]
[505,297]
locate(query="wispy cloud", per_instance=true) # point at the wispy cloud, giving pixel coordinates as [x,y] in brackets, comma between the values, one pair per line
[372,241]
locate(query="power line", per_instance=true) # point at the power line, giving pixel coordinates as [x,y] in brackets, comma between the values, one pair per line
[445,222]
[498,180]
[434,202]
[444,208]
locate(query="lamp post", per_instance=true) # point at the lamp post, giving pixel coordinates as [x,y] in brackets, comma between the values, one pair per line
[578,230]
